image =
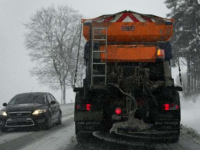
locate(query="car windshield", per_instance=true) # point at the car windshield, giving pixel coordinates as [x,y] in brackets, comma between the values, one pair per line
[27,99]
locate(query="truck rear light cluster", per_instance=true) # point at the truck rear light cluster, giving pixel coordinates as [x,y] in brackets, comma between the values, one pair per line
[118,110]
[83,107]
[161,53]
[167,107]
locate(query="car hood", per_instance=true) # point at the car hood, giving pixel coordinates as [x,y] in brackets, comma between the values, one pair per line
[22,107]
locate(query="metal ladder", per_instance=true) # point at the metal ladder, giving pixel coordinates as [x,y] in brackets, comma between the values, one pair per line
[99,37]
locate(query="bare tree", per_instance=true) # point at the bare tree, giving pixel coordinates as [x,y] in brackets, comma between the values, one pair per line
[53,39]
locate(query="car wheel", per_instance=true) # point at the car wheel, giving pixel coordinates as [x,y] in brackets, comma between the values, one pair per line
[47,124]
[37,127]
[59,120]
[4,129]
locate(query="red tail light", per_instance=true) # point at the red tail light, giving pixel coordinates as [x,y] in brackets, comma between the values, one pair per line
[88,107]
[83,107]
[77,106]
[167,107]
[118,111]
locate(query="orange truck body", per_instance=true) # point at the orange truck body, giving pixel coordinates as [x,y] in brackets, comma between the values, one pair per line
[129,53]
[141,32]
[134,29]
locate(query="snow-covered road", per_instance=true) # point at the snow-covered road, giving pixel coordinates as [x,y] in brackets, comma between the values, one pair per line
[63,138]
[57,138]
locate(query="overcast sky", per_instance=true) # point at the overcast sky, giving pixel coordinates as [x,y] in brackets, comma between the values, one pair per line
[15,63]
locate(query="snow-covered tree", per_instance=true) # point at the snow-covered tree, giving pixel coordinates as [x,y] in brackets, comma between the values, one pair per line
[186,39]
[53,40]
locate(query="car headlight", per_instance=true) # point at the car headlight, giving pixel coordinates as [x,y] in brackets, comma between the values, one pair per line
[3,113]
[39,111]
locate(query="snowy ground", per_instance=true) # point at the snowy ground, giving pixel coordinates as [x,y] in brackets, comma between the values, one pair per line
[58,140]
[190,113]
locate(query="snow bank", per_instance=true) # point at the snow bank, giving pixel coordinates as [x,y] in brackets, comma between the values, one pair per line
[190,133]
[190,113]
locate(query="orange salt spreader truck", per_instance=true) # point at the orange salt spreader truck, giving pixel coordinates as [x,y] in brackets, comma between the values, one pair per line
[128,90]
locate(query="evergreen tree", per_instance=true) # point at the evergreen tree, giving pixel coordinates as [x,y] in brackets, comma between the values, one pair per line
[186,39]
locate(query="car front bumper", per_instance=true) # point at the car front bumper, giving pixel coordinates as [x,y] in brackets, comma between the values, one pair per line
[12,122]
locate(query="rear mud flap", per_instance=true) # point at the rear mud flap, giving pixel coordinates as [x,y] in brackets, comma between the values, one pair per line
[88,116]
[167,125]
[88,126]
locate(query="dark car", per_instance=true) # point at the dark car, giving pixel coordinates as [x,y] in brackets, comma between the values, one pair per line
[35,109]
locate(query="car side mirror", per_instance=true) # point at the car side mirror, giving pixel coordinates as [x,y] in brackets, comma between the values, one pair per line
[5,104]
[53,102]
[179,88]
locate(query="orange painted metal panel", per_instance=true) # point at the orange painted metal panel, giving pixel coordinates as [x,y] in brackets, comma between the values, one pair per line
[133,31]
[129,53]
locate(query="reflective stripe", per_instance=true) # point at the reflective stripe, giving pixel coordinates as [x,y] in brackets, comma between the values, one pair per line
[129,17]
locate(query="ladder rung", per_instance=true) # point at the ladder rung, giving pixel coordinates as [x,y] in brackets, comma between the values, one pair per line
[100,40]
[98,63]
[99,51]
[96,28]
[98,75]
[99,37]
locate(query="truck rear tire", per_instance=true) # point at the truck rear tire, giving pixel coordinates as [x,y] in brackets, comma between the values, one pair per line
[83,138]
[80,139]
[175,137]
[4,129]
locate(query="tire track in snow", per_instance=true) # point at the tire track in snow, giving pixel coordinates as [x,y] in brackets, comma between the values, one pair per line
[184,143]
[33,137]
[56,141]
[11,140]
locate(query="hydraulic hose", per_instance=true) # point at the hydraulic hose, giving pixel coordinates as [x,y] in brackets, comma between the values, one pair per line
[150,92]
[133,99]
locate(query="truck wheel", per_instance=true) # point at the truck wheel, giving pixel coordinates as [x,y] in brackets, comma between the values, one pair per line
[4,129]
[175,137]
[80,139]
[83,138]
